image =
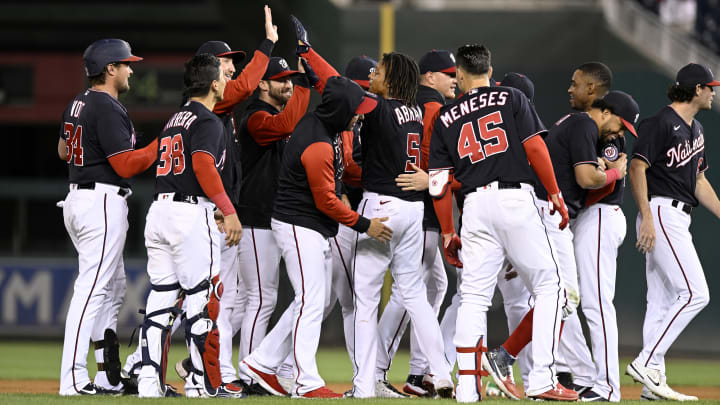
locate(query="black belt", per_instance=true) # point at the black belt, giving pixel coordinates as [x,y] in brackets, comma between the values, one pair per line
[177,197]
[686,208]
[508,184]
[122,192]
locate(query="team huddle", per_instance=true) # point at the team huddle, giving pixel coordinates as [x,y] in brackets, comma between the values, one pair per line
[364,183]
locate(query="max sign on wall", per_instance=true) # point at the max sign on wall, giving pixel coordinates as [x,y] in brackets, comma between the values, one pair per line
[35,295]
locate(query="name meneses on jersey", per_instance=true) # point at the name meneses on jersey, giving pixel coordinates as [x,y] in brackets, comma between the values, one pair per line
[472,104]
[683,152]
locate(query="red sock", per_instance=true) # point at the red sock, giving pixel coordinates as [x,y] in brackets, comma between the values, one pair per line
[521,336]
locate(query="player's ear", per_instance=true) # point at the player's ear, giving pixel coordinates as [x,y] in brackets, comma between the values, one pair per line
[490,72]
[263,85]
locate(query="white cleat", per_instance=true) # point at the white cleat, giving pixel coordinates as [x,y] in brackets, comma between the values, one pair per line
[652,379]
[384,389]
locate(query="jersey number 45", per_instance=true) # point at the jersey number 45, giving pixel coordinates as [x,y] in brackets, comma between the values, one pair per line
[495,138]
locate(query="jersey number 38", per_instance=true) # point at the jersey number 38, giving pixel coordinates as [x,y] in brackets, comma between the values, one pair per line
[495,138]
[172,156]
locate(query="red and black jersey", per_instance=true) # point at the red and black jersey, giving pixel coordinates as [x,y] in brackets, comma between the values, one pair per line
[430,101]
[314,164]
[96,127]
[390,137]
[193,129]
[675,152]
[236,92]
[264,132]
[572,141]
[481,137]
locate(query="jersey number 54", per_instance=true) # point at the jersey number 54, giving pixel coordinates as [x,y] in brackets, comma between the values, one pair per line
[495,138]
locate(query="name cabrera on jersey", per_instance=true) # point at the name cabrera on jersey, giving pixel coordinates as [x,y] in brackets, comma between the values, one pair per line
[390,139]
[572,141]
[675,153]
[193,129]
[480,135]
[96,127]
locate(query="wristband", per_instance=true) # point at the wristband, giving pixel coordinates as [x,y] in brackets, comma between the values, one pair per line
[611,175]
[361,225]
[266,47]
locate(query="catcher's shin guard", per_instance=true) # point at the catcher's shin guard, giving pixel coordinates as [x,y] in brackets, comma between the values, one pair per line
[470,371]
[202,334]
[157,331]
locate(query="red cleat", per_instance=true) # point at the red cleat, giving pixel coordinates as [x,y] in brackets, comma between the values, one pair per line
[267,381]
[559,393]
[322,392]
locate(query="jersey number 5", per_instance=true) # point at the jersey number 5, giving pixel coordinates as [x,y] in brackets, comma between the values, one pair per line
[74,144]
[496,138]
[172,156]
[413,151]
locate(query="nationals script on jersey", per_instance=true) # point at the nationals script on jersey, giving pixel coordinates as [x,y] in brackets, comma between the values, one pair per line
[675,152]
[193,129]
[480,135]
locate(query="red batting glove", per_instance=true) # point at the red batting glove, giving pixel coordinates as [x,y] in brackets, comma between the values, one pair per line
[558,204]
[450,249]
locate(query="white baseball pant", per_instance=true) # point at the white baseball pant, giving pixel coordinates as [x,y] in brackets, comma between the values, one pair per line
[394,319]
[573,352]
[183,244]
[402,255]
[309,266]
[500,225]
[599,231]
[229,277]
[517,301]
[259,264]
[96,221]
[673,266]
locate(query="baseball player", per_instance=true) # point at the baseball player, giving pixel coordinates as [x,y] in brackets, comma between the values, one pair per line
[667,172]
[264,131]
[599,230]
[306,214]
[572,143]
[500,221]
[182,239]
[437,83]
[97,139]
[390,136]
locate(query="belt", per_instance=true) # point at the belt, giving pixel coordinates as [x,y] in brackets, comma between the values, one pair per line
[501,185]
[681,205]
[122,192]
[177,197]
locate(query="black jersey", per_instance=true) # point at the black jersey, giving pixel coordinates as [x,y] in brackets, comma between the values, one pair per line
[571,141]
[193,129]
[481,134]
[611,151]
[675,153]
[96,127]
[390,137]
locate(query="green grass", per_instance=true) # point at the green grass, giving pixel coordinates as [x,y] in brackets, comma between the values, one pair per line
[41,361]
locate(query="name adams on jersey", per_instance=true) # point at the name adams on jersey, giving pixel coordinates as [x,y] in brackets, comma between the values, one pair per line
[191,130]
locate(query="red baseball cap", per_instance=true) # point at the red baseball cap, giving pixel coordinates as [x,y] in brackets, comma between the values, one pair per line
[277,69]
[437,61]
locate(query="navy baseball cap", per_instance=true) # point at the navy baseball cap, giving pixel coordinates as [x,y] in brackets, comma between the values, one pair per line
[693,74]
[520,82]
[437,61]
[623,105]
[104,51]
[221,49]
[368,104]
[358,70]
[277,69]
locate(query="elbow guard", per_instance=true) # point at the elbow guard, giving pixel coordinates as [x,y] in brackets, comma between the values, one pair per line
[439,182]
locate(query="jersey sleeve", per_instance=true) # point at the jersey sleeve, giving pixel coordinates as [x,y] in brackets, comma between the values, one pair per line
[527,121]
[440,157]
[432,111]
[582,148]
[114,130]
[207,136]
[645,147]
[240,88]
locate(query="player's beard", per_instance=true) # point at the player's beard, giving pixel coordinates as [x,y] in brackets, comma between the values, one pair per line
[280,95]
[124,86]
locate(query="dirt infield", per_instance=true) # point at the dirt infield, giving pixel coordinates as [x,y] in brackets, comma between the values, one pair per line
[52,386]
